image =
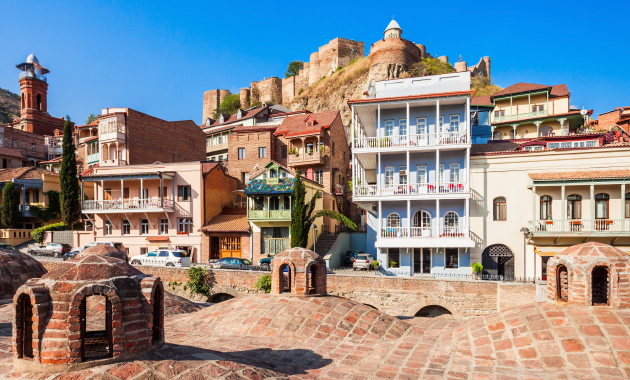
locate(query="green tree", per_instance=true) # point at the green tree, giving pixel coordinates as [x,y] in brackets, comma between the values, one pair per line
[70,190]
[229,105]
[483,86]
[304,214]
[294,68]
[10,204]
[91,118]
[430,66]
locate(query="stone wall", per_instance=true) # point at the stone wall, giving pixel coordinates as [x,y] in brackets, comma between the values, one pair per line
[267,90]
[211,101]
[338,52]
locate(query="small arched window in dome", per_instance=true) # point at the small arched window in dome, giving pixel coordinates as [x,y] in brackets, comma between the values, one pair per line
[562,283]
[599,286]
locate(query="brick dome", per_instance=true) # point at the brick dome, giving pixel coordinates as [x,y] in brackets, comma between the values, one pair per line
[102,250]
[15,269]
[92,267]
[590,274]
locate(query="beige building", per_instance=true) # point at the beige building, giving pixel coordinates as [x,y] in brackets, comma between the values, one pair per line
[533,198]
[526,110]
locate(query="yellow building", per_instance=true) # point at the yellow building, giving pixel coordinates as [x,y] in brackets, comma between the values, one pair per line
[526,110]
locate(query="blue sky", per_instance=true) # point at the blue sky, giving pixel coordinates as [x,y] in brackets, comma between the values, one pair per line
[158,57]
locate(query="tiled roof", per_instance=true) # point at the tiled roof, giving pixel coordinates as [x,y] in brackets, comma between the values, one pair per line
[295,125]
[89,171]
[157,238]
[494,146]
[207,167]
[233,118]
[290,171]
[30,172]
[92,124]
[54,160]
[556,90]
[260,186]
[90,139]
[227,223]
[409,97]
[252,128]
[481,101]
[11,152]
[596,174]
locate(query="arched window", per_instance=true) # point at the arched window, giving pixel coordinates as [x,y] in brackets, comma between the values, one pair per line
[157,314]
[500,208]
[545,207]
[96,343]
[574,206]
[451,219]
[312,279]
[599,286]
[627,205]
[497,136]
[30,102]
[393,220]
[274,203]
[421,224]
[562,283]
[601,206]
[24,327]
[39,102]
[285,278]
[544,131]
[23,101]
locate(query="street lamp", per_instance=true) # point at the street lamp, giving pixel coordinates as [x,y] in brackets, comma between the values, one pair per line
[314,227]
[525,232]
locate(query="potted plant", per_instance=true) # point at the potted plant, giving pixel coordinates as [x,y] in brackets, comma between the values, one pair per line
[392,264]
[292,150]
[374,265]
[322,151]
[477,269]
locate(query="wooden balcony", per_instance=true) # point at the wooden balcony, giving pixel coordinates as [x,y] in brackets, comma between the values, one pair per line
[272,215]
[300,159]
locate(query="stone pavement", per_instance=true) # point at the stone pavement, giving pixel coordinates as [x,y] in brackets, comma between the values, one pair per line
[333,338]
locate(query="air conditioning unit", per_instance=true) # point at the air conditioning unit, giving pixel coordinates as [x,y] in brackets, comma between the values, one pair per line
[403,172]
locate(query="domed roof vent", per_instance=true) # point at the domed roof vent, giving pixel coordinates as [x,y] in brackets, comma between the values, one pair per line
[393,30]
[33,59]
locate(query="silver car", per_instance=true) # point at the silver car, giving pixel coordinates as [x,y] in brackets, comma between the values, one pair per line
[363,261]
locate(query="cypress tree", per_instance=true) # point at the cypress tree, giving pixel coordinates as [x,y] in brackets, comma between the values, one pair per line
[70,190]
[10,204]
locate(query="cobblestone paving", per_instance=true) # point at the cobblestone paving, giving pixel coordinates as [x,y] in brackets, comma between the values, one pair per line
[332,338]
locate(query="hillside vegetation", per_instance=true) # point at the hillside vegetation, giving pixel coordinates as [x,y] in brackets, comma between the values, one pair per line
[9,106]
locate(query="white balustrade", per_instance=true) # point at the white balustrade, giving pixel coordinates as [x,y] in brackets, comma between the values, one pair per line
[417,140]
[426,232]
[581,225]
[127,204]
[411,189]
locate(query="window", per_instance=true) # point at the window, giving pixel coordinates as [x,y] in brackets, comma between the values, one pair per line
[15,143]
[241,154]
[393,220]
[144,226]
[309,123]
[283,152]
[451,219]
[454,171]
[209,142]
[454,126]
[245,178]
[35,196]
[422,173]
[389,175]
[441,173]
[34,147]
[27,196]
[309,148]
[574,206]
[333,148]
[220,158]
[497,136]
[499,113]
[108,228]
[184,226]
[451,258]
[534,148]
[422,219]
[601,206]
[1,139]
[545,207]
[573,144]
[421,125]
[144,193]
[164,191]
[126,227]
[389,127]
[441,119]
[283,174]
[319,176]
[500,208]
[262,152]
[402,175]
[163,226]
[287,202]
[402,127]
[538,108]
[553,145]
[183,193]
[627,205]
[273,173]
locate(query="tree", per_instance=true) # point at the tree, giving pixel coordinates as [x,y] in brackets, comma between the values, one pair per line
[10,203]
[229,105]
[304,214]
[91,118]
[430,66]
[294,68]
[70,190]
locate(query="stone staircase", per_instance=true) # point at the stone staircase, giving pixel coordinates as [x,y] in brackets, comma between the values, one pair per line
[323,244]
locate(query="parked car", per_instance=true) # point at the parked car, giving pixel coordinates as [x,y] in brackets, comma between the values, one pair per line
[162,257]
[348,257]
[231,263]
[265,262]
[7,246]
[51,249]
[363,261]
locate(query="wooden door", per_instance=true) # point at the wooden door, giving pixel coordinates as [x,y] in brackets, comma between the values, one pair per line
[108,194]
[230,247]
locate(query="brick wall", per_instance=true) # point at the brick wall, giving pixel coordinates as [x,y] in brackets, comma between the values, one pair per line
[150,139]
[269,89]
[251,141]
[211,101]
[24,141]
[257,247]
[338,52]
[394,51]
[608,120]
[244,95]
[218,192]
[205,244]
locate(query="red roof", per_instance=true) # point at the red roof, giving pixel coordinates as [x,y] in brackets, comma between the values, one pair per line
[11,152]
[55,160]
[90,138]
[157,238]
[30,172]
[256,128]
[596,174]
[410,97]
[481,101]
[233,118]
[227,223]
[89,171]
[556,90]
[296,125]
[92,124]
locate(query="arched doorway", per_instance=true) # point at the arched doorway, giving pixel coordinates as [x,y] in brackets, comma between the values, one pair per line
[498,262]
[312,279]
[434,311]
[220,297]
[562,283]
[599,286]
[96,327]
[421,224]
[158,301]
[24,324]
[285,278]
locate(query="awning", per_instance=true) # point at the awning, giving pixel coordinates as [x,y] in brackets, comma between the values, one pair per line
[548,251]
[157,238]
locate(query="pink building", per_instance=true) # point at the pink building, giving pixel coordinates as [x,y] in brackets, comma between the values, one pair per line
[153,206]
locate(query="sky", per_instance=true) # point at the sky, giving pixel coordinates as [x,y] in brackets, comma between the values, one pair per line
[158,57]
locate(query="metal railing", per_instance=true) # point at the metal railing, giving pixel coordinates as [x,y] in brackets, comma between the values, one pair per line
[425,232]
[411,189]
[269,214]
[580,225]
[304,157]
[127,204]
[115,162]
[31,74]
[526,115]
[424,139]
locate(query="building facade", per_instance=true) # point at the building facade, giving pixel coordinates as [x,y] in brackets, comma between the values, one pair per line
[411,150]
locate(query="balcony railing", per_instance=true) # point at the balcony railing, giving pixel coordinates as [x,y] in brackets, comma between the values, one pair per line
[126,204]
[93,157]
[412,189]
[420,140]
[23,208]
[216,147]
[113,163]
[425,232]
[580,226]
[520,116]
[269,214]
[305,158]
[31,74]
